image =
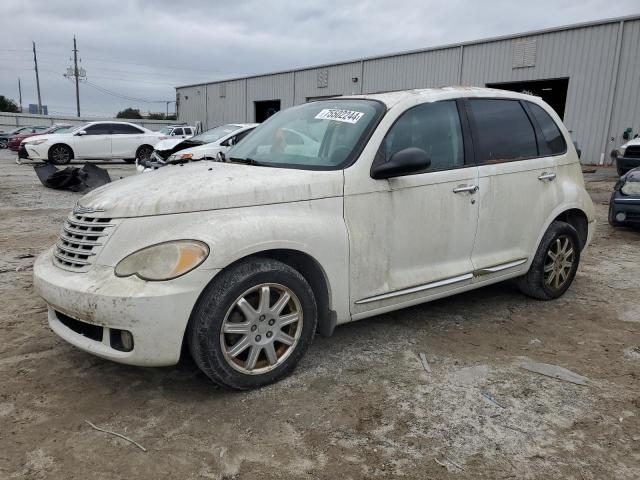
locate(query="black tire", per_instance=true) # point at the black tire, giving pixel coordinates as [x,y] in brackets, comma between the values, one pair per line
[534,283]
[60,154]
[4,143]
[144,152]
[218,299]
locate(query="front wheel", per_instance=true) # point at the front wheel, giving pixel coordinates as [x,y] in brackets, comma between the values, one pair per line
[60,154]
[4,143]
[252,324]
[144,153]
[555,263]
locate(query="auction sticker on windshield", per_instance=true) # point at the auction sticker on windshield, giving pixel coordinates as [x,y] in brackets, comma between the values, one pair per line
[339,115]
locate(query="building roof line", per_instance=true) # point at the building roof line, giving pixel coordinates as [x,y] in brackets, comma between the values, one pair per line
[574,26]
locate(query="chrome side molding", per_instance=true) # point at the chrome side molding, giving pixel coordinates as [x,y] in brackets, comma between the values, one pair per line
[499,268]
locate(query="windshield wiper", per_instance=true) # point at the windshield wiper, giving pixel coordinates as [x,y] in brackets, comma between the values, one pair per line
[246,161]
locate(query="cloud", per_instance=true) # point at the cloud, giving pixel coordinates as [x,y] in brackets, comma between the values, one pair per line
[143,48]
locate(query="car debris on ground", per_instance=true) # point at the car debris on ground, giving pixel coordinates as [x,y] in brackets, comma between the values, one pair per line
[554,371]
[75,179]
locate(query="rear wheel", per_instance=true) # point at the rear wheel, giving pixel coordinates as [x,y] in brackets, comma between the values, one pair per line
[4,143]
[143,153]
[60,154]
[555,263]
[252,324]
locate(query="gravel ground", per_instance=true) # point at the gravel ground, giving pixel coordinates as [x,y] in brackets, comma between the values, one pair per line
[360,405]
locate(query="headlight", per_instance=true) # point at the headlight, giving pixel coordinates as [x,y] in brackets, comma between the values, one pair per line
[631,188]
[36,142]
[163,261]
[184,156]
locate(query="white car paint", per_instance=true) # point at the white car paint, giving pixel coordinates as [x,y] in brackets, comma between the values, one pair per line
[374,240]
[93,146]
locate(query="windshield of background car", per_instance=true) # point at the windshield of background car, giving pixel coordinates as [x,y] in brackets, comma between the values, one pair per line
[166,130]
[215,134]
[79,127]
[324,135]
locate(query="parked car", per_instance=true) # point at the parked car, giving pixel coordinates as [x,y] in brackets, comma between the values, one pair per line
[178,131]
[16,140]
[627,156]
[93,140]
[5,137]
[409,197]
[624,206]
[201,147]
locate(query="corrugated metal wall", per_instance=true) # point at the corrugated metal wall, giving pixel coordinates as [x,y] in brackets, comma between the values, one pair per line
[603,96]
[626,104]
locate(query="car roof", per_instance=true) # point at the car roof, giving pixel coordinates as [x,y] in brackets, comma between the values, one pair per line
[440,93]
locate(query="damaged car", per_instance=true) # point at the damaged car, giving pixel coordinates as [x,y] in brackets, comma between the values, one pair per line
[627,156]
[205,146]
[624,206]
[402,198]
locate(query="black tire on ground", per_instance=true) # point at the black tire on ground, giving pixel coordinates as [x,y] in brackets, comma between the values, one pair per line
[534,283]
[4,143]
[218,299]
[144,152]
[60,154]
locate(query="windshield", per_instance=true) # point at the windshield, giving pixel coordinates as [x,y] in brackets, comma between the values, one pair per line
[215,134]
[318,135]
[165,130]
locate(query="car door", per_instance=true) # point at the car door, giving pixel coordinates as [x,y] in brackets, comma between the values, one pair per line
[126,140]
[94,143]
[518,188]
[411,237]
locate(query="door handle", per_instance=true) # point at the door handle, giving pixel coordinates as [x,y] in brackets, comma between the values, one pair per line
[550,176]
[466,188]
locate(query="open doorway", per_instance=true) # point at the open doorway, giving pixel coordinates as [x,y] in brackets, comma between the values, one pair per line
[552,91]
[266,108]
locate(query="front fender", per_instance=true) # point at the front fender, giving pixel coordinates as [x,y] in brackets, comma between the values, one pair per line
[314,227]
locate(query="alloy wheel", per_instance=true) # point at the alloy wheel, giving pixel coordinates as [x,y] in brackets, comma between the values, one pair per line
[559,262]
[261,329]
[60,155]
[145,153]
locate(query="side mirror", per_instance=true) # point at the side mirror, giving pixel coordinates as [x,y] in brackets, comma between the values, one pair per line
[405,162]
[81,132]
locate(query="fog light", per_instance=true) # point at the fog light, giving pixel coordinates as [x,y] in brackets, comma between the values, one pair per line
[621,217]
[121,340]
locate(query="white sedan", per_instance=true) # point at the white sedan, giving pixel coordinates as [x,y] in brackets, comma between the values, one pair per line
[94,140]
[205,146]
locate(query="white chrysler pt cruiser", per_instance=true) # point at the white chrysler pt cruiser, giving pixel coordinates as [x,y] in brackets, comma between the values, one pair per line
[397,199]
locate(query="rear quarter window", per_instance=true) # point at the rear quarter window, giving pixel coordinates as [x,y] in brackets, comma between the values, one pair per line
[552,141]
[503,131]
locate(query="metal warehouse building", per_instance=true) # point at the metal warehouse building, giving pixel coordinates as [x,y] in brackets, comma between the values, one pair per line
[589,72]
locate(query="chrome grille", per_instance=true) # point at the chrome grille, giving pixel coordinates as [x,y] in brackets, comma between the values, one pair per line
[80,241]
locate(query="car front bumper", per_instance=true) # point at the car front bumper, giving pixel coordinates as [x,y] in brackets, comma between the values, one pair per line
[625,209]
[155,313]
[34,152]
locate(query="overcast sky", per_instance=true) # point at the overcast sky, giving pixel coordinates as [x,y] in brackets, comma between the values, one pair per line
[141,49]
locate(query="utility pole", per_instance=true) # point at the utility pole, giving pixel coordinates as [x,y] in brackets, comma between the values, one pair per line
[75,73]
[20,94]
[35,61]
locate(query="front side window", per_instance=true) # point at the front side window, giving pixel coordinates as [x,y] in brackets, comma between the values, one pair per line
[552,141]
[98,129]
[432,127]
[503,129]
[177,131]
[320,135]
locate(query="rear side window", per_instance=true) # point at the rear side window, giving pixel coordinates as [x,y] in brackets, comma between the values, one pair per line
[124,129]
[504,131]
[433,127]
[552,141]
[187,131]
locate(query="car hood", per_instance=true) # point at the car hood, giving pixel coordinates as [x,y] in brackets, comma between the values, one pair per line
[52,137]
[210,186]
[169,143]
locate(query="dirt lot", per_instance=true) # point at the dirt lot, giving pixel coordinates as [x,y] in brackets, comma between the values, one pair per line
[359,406]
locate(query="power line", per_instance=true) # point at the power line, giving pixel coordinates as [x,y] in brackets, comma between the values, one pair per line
[119,95]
